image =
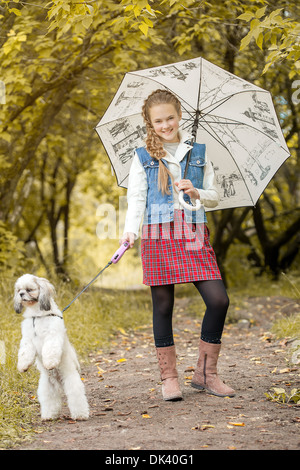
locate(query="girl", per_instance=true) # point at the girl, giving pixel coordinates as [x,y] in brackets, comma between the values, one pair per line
[175,244]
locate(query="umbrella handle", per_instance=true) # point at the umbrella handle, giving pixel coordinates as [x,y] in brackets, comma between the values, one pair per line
[189,206]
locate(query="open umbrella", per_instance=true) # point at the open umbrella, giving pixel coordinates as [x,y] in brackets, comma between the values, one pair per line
[234,118]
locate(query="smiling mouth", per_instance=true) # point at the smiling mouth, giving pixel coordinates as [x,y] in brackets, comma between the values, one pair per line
[29,301]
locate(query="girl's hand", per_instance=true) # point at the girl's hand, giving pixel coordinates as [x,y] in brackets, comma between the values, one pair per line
[128,237]
[188,188]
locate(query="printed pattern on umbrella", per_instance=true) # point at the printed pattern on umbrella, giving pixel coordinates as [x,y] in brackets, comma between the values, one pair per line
[237,122]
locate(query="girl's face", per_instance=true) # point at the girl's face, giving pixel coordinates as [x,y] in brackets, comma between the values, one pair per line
[165,121]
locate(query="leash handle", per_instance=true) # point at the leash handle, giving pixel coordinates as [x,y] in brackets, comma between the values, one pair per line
[120,252]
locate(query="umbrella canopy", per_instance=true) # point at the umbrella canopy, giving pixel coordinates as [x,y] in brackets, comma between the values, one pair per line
[235,119]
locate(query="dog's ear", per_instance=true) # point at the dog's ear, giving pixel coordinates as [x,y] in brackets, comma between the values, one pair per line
[18,303]
[46,292]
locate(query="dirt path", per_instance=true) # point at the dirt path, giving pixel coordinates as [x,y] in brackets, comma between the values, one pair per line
[127,412]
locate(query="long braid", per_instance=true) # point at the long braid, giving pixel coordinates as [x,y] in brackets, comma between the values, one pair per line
[153,143]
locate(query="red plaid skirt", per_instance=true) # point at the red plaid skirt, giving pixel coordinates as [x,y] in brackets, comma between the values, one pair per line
[177,252]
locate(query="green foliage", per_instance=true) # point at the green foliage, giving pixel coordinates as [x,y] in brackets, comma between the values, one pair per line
[278,31]
[287,327]
[12,251]
[280,395]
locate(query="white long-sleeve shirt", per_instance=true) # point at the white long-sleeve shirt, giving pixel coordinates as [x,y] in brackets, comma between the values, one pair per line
[137,184]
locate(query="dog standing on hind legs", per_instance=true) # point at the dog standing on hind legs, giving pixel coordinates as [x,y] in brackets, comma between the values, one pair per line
[45,342]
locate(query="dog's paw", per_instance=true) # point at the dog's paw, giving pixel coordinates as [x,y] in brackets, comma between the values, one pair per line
[50,363]
[80,416]
[49,417]
[23,367]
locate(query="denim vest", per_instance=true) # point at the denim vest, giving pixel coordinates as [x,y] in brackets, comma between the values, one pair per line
[160,207]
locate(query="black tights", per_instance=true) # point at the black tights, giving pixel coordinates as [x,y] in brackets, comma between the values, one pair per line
[215,298]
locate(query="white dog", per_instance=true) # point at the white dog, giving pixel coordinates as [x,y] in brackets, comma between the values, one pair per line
[44,339]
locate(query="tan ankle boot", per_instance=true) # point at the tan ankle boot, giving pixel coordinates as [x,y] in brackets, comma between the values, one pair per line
[168,372]
[205,375]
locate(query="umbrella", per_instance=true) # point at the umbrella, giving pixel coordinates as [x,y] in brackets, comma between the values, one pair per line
[233,117]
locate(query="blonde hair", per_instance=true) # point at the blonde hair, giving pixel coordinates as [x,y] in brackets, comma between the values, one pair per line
[154,145]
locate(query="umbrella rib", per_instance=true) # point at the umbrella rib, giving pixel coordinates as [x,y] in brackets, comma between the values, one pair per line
[200,82]
[231,121]
[116,119]
[218,104]
[161,85]
[213,135]
[223,100]
[223,144]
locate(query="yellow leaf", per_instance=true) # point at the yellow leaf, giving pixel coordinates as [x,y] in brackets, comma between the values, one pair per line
[123,331]
[144,28]
[236,424]
[122,359]
[146,416]
[247,16]
[137,11]
[259,13]
[284,371]
[100,371]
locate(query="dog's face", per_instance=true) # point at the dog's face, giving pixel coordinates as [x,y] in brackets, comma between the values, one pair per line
[31,289]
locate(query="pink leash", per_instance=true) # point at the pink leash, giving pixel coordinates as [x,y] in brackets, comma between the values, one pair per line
[115,258]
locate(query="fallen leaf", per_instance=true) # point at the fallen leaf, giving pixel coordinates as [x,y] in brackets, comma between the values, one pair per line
[122,359]
[206,426]
[202,427]
[236,424]
[121,330]
[146,416]
[284,371]
[100,371]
